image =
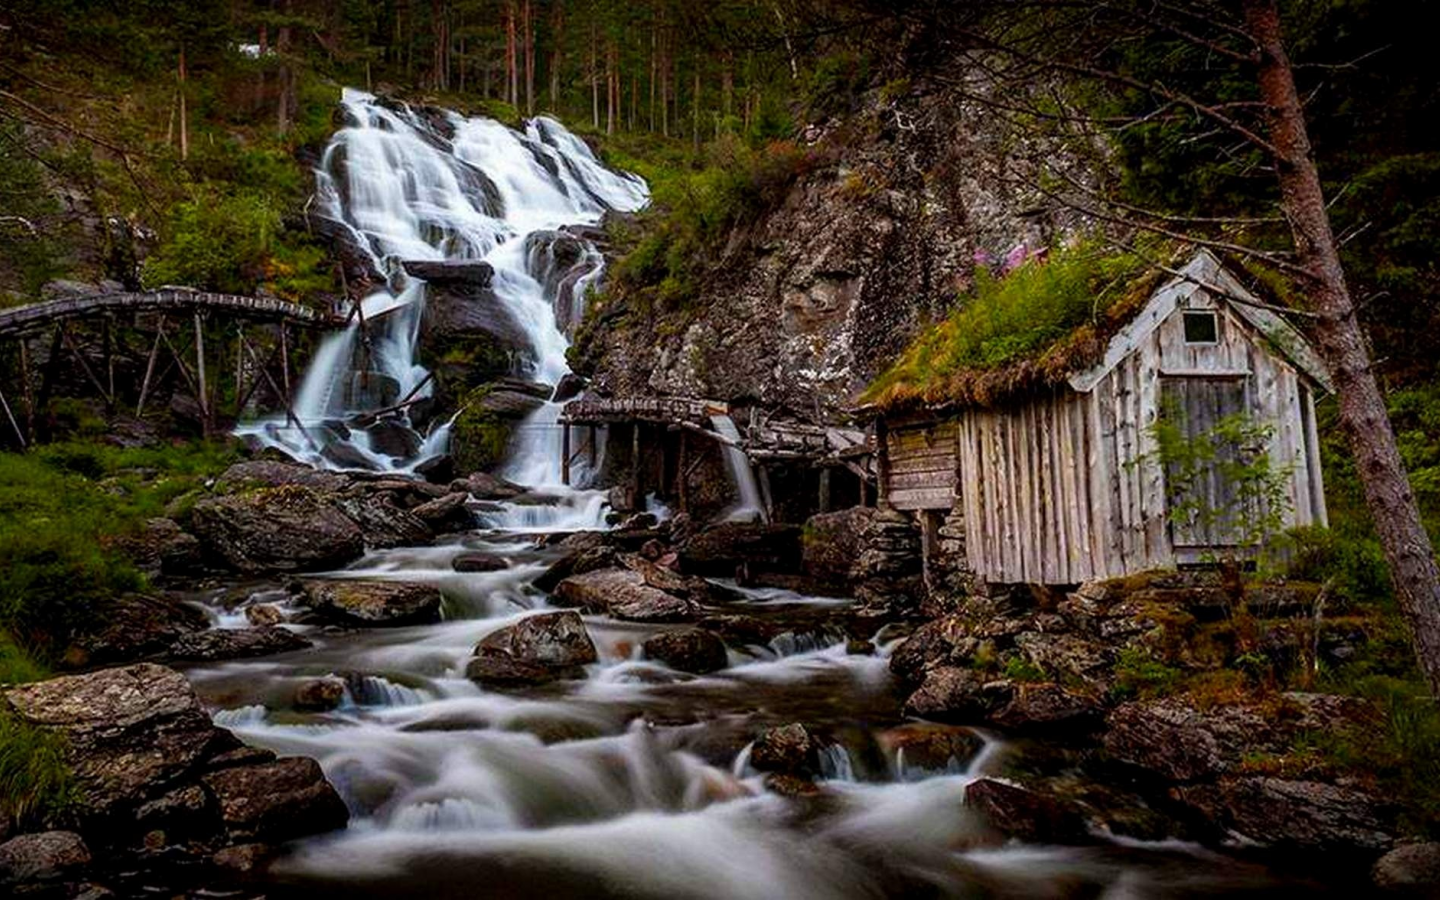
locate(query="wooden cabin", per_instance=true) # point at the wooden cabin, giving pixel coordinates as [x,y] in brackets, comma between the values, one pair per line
[1065,485]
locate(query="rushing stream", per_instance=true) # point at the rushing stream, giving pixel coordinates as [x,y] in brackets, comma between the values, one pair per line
[633,781]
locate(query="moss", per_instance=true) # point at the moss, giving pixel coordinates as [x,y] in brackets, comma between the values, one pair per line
[1032,326]
[1138,674]
[1018,668]
[36,783]
[479,437]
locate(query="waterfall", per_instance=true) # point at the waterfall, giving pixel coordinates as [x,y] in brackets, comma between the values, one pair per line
[751,507]
[410,186]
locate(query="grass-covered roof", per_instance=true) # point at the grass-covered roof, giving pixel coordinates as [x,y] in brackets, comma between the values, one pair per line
[1016,331]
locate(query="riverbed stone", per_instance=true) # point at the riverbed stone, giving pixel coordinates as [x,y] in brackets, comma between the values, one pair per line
[46,856]
[276,801]
[129,627]
[281,529]
[961,696]
[1410,870]
[1024,814]
[477,561]
[947,641]
[691,650]
[786,750]
[262,614]
[536,649]
[587,555]
[236,643]
[1295,814]
[320,694]
[374,604]
[719,550]
[929,747]
[622,593]
[446,513]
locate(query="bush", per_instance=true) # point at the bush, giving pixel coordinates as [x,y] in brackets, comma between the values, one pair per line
[219,243]
[1138,674]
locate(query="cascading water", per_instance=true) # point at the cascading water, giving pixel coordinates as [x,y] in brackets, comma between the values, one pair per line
[751,506]
[413,188]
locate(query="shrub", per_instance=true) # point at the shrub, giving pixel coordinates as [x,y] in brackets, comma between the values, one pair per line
[219,243]
[1138,674]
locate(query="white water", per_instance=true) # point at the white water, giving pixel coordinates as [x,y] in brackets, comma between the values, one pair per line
[407,191]
[742,474]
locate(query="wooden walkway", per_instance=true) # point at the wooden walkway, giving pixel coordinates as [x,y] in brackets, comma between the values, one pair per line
[25,319]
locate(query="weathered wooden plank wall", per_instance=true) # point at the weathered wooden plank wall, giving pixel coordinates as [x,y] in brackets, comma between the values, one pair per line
[921,471]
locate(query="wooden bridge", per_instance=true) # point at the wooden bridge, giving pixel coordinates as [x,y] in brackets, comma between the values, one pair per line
[24,319]
[182,364]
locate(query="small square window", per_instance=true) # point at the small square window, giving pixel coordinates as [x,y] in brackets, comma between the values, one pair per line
[1201,328]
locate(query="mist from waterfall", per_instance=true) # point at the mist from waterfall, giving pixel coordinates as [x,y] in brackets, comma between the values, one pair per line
[411,187]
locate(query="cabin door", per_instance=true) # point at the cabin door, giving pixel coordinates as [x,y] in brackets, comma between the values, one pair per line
[1202,500]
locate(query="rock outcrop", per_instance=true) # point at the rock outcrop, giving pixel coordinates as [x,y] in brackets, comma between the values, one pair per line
[623,593]
[155,776]
[281,529]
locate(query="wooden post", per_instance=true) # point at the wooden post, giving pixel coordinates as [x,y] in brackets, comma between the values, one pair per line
[824,489]
[682,470]
[19,435]
[109,364]
[52,370]
[150,367]
[239,368]
[285,359]
[594,451]
[27,392]
[565,453]
[636,481]
[882,465]
[200,372]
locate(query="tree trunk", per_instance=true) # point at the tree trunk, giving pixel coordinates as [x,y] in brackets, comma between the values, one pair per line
[529,60]
[285,106]
[594,78]
[1342,344]
[512,77]
[654,72]
[557,42]
[184,113]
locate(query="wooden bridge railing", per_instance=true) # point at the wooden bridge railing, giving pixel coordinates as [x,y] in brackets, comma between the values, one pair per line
[22,319]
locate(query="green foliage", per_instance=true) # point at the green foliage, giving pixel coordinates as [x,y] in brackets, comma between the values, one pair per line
[1018,668]
[16,665]
[835,83]
[693,212]
[61,509]
[1009,317]
[218,243]
[36,783]
[1138,674]
[1235,451]
[30,254]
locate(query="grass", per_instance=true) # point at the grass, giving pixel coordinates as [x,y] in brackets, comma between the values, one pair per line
[61,510]
[1032,325]
[36,783]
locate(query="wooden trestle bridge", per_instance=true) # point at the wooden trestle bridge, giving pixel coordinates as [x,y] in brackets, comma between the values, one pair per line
[176,322]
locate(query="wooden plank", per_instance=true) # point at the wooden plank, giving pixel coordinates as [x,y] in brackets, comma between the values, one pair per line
[1077,549]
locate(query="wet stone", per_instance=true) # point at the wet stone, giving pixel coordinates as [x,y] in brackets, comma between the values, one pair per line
[691,650]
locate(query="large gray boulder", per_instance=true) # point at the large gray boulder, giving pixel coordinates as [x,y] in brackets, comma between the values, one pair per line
[47,856]
[282,529]
[236,643]
[623,593]
[374,603]
[533,650]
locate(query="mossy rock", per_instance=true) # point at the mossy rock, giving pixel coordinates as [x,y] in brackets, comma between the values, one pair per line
[479,437]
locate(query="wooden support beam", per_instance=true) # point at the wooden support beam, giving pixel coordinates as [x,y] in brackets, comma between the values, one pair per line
[240,368]
[150,367]
[365,420]
[285,359]
[179,362]
[289,412]
[200,393]
[10,415]
[565,454]
[109,358]
[712,435]
[27,390]
[52,371]
[594,450]
[85,366]
[824,498]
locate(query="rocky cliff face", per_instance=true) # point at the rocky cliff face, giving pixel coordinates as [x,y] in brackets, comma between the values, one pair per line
[805,306]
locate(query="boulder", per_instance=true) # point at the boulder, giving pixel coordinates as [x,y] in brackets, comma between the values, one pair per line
[475,561]
[162,547]
[535,649]
[483,486]
[284,529]
[262,614]
[474,273]
[961,696]
[691,650]
[382,521]
[131,627]
[590,558]
[787,750]
[1024,814]
[446,513]
[569,387]
[1296,815]
[948,641]
[270,473]
[1067,654]
[438,469]
[276,801]
[623,594]
[1411,870]
[927,747]
[236,643]
[374,603]
[130,732]
[1175,741]
[320,695]
[720,550]
[46,856]
[510,403]
[1046,707]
